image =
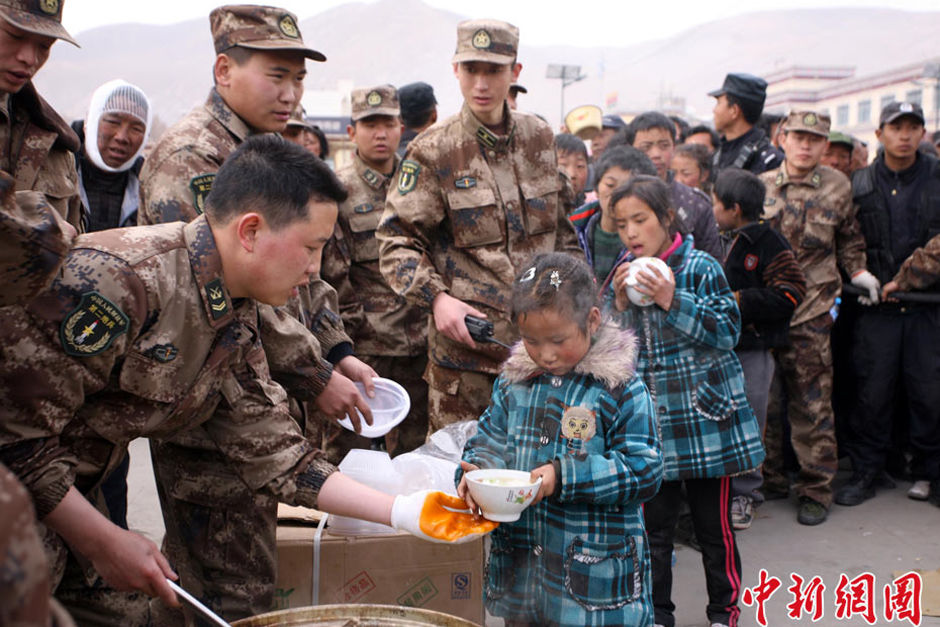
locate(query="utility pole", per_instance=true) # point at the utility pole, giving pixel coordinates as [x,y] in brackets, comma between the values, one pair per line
[569,74]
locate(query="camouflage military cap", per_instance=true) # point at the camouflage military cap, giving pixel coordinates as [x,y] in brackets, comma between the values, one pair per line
[808,122]
[257,28]
[491,41]
[297,118]
[381,100]
[42,17]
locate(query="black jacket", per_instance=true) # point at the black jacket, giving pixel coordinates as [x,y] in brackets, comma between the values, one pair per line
[751,151]
[921,185]
[768,283]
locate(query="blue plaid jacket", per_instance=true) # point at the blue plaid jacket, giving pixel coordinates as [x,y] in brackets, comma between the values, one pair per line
[687,360]
[579,557]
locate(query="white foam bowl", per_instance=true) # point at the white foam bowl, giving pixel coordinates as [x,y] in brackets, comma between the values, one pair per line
[636,266]
[502,503]
[389,407]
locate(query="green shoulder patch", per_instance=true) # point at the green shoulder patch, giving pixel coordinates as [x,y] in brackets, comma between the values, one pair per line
[201,185]
[90,328]
[408,177]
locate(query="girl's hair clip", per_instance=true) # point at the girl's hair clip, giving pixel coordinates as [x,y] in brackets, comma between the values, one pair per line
[555,279]
[528,275]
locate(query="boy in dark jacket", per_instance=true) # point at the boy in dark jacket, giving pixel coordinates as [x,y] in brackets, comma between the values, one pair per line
[768,284]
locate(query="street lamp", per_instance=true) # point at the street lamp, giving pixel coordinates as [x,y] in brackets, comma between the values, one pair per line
[569,74]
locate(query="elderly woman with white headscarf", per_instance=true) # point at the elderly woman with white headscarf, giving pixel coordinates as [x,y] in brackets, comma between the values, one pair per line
[114,135]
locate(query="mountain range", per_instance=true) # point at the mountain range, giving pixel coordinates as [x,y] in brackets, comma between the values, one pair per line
[400,41]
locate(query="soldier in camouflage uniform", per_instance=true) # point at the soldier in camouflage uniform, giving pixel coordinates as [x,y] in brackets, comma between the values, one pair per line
[154,332]
[259,71]
[390,335]
[811,205]
[36,144]
[24,572]
[477,197]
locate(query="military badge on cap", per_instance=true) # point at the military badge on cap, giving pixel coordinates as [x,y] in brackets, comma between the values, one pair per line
[90,328]
[408,177]
[810,119]
[200,186]
[288,26]
[374,99]
[482,40]
[49,7]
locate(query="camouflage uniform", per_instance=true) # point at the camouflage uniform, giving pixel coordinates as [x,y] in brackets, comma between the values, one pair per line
[36,144]
[208,520]
[139,338]
[470,209]
[34,243]
[390,335]
[817,218]
[24,578]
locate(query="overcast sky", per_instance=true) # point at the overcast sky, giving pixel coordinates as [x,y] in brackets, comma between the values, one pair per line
[580,23]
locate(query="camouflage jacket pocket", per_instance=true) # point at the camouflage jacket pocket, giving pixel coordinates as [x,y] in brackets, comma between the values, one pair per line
[150,379]
[820,229]
[364,245]
[541,204]
[475,217]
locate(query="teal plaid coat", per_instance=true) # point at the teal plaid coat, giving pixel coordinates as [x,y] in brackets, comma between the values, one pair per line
[579,557]
[687,360]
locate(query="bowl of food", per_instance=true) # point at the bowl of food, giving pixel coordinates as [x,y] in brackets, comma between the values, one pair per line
[502,494]
[389,406]
[650,265]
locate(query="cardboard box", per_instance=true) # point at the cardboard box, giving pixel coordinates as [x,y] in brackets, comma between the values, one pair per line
[396,569]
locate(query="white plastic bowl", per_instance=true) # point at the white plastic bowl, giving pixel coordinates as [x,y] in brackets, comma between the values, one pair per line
[502,503]
[636,266]
[389,407]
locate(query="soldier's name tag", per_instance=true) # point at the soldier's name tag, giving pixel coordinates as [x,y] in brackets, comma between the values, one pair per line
[90,328]
[408,176]
[201,185]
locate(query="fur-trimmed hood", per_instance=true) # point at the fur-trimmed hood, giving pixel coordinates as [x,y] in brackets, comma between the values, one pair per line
[611,358]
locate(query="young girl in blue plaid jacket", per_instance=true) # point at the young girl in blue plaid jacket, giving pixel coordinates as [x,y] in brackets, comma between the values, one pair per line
[686,357]
[568,407]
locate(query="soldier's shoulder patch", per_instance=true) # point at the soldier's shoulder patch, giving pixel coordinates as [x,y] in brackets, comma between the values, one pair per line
[201,185]
[750,262]
[90,328]
[215,293]
[408,176]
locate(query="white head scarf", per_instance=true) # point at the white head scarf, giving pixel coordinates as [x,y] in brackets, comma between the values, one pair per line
[116,96]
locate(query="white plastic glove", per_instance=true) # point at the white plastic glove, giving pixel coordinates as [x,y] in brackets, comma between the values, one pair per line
[427,514]
[867,281]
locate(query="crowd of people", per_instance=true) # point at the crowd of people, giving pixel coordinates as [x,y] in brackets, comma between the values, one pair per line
[792,315]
